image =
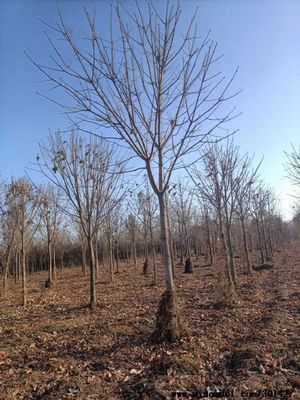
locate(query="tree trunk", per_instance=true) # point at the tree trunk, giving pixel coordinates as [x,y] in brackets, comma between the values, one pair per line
[259,241]
[246,250]
[54,262]
[224,250]
[24,291]
[168,327]
[93,298]
[117,256]
[230,258]
[134,250]
[96,258]
[6,268]
[111,272]
[83,257]
[153,254]
[49,282]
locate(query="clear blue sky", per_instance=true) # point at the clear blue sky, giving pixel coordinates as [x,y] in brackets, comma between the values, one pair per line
[259,36]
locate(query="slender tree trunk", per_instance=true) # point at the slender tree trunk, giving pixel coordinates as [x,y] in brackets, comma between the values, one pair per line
[117,256]
[16,265]
[24,289]
[265,239]
[246,250]
[54,262]
[83,257]
[181,242]
[93,298]
[96,258]
[153,253]
[111,272]
[19,266]
[224,250]
[49,282]
[259,242]
[5,272]
[231,266]
[62,260]
[134,250]
[188,247]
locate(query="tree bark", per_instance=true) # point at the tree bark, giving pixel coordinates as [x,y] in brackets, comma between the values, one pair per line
[93,298]
[49,282]
[6,268]
[168,328]
[53,262]
[230,258]
[246,250]
[24,291]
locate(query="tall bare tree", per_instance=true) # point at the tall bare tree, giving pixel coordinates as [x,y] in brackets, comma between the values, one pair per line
[8,226]
[157,86]
[90,179]
[51,218]
[25,200]
[223,183]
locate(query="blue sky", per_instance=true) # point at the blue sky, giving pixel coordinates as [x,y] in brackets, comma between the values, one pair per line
[259,36]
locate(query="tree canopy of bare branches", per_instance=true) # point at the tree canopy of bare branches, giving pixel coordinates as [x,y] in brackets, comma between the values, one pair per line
[90,178]
[156,88]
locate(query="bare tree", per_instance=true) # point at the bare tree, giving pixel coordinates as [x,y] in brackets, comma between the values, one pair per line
[51,218]
[8,226]
[224,184]
[243,191]
[182,206]
[292,165]
[263,210]
[89,177]
[25,201]
[160,91]
[148,209]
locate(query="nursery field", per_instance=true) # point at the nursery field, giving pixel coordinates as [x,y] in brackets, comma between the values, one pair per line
[58,349]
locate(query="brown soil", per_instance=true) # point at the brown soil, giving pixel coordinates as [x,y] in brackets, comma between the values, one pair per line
[58,349]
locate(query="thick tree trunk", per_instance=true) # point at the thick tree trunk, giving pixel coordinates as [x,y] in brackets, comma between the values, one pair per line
[168,327]
[93,298]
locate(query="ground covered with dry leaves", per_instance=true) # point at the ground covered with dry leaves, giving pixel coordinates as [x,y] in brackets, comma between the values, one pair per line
[58,349]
